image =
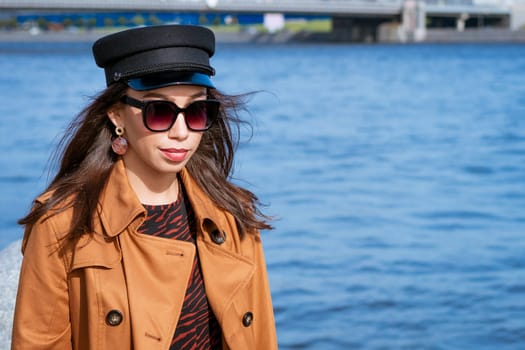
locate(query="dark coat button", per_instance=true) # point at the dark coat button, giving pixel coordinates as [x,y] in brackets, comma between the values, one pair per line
[247,319]
[218,237]
[114,318]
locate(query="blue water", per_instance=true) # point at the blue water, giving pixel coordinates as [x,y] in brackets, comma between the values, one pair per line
[396,174]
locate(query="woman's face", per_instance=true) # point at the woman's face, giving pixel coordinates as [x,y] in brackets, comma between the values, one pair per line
[158,153]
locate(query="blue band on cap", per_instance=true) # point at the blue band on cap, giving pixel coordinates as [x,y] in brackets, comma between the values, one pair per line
[160,80]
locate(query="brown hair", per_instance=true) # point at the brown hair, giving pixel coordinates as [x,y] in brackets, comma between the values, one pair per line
[86,160]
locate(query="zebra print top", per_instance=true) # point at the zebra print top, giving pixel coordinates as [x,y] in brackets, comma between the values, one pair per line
[197,327]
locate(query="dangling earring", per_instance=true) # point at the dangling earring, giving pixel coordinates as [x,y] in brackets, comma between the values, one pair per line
[119,144]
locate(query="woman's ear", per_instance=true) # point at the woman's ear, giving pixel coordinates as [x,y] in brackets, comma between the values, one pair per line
[115,114]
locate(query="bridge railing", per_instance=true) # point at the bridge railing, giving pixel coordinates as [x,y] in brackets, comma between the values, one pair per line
[305,6]
[495,7]
[319,7]
[450,2]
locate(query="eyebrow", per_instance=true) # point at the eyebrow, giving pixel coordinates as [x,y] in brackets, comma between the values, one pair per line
[159,95]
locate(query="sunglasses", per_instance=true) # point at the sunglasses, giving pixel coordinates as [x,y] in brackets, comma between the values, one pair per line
[159,115]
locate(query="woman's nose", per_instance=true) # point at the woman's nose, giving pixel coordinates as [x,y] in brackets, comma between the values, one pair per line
[179,130]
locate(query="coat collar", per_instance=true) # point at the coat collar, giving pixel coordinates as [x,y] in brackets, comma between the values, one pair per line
[119,206]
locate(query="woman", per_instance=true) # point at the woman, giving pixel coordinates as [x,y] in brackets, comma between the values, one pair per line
[140,241]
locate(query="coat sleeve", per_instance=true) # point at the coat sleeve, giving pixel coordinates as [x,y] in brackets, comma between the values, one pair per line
[265,319]
[41,319]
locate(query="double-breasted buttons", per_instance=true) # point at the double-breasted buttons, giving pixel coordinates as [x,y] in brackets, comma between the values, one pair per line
[218,237]
[247,319]
[114,318]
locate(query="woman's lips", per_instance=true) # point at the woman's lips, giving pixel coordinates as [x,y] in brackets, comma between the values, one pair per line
[175,154]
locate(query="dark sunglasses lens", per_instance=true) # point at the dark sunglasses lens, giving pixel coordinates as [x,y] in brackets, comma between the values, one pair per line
[159,115]
[201,114]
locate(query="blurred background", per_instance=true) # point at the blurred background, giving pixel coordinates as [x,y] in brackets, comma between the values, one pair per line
[388,141]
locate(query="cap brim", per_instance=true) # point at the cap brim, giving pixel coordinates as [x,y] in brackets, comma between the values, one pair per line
[159,80]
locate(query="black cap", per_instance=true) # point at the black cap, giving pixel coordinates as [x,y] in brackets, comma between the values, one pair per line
[151,57]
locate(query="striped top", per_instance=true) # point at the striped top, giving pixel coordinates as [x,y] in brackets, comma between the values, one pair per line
[197,328]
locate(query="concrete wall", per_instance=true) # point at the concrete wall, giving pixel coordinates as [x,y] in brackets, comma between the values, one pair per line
[482,35]
[517,17]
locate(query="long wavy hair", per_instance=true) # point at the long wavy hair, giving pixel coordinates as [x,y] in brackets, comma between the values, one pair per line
[86,160]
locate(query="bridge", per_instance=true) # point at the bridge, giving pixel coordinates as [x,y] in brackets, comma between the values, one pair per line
[351,19]
[317,7]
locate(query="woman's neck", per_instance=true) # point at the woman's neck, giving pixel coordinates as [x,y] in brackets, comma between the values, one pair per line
[154,190]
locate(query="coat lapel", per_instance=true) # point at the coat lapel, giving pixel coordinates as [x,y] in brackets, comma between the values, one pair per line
[118,197]
[226,271]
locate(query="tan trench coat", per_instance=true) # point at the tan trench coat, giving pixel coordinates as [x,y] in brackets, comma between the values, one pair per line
[124,290]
